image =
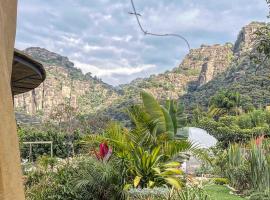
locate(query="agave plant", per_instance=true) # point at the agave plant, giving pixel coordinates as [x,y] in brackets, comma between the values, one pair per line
[149,170]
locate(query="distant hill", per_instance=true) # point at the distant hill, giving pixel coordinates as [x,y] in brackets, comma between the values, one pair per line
[202,73]
[65,84]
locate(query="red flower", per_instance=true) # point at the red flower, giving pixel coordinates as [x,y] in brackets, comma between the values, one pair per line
[259,140]
[104,152]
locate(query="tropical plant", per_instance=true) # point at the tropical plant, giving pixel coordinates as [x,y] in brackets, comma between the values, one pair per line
[83,178]
[149,170]
[156,118]
[104,152]
[260,167]
[98,180]
[237,168]
[248,167]
[149,153]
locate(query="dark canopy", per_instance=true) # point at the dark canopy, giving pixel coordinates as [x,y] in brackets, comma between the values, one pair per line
[27,73]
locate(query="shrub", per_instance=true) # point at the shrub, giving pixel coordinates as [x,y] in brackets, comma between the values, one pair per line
[81,179]
[221,181]
[157,193]
[191,193]
[61,146]
[186,193]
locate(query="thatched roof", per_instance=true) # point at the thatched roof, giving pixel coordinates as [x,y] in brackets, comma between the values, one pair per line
[27,73]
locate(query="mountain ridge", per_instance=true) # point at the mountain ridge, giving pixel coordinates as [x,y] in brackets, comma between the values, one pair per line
[90,95]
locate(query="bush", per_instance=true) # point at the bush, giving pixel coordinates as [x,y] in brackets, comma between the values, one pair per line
[221,181]
[81,179]
[191,193]
[157,193]
[61,146]
[186,193]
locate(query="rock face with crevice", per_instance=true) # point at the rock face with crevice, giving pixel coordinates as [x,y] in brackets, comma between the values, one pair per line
[215,60]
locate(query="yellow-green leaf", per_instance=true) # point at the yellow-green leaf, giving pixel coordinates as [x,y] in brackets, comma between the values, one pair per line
[150,184]
[157,170]
[173,182]
[136,181]
[127,187]
[174,170]
[172,164]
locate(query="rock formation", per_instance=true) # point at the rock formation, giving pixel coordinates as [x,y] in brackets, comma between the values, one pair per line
[246,38]
[65,84]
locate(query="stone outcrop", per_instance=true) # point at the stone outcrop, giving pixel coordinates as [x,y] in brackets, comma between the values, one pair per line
[246,38]
[64,85]
[215,63]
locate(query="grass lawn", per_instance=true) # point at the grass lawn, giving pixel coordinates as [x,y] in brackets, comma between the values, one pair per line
[219,192]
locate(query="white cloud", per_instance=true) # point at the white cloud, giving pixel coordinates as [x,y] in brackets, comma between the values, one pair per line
[108,72]
[105,40]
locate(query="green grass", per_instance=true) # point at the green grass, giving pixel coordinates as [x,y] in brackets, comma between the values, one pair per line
[219,192]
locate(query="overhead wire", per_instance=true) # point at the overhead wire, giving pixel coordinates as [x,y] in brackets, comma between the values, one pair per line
[156,34]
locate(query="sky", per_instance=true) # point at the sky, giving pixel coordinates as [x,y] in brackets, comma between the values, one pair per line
[100,37]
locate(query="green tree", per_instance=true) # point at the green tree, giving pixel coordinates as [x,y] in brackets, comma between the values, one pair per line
[225,102]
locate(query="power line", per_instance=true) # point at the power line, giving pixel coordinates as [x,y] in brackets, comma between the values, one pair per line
[155,34]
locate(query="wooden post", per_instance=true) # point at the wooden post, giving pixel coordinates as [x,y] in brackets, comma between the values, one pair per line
[11,187]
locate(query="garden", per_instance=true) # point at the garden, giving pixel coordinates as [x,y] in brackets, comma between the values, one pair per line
[143,160]
[144,157]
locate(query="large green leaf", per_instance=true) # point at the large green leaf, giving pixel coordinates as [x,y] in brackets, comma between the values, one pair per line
[153,108]
[168,123]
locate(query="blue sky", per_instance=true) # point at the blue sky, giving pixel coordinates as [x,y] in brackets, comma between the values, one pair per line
[99,36]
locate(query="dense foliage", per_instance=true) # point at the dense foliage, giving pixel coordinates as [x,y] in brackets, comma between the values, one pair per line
[64,144]
[150,153]
[240,128]
[82,178]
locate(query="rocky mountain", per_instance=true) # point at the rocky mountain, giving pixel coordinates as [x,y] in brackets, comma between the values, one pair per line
[64,84]
[198,67]
[243,75]
[202,72]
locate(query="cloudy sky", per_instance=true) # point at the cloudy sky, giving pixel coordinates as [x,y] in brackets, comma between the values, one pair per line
[99,36]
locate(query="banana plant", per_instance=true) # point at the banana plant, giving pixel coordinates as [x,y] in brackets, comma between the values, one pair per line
[166,118]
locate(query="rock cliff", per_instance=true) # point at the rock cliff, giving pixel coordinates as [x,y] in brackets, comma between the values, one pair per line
[64,84]
[241,76]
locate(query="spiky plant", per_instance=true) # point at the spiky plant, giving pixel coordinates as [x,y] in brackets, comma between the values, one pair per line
[99,180]
[260,168]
